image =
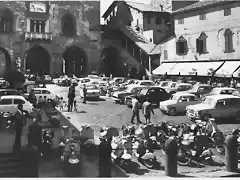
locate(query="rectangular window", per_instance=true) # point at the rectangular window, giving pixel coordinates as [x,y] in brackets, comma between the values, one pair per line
[181,48]
[165,55]
[227,12]
[158,20]
[201,46]
[37,26]
[180,21]
[202,16]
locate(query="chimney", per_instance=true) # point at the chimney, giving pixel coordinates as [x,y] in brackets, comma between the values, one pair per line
[178,4]
[161,6]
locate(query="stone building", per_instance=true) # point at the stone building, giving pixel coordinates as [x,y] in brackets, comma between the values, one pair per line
[206,41]
[50,37]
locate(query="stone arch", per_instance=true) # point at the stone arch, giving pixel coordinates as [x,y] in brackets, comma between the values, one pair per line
[5,61]
[38,60]
[75,61]
[111,62]
[68,24]
[7,21]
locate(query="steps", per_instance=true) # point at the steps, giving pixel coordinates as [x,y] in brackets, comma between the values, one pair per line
[9,165]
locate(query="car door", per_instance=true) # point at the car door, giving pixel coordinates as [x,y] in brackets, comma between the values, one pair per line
[151,95]
[17,101]
[221,109]
[193,100]
[182,103]
[48,94]
[233,107]
[6,105]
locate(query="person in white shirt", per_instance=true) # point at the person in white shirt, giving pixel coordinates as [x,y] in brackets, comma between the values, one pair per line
[147,110]
[135,110]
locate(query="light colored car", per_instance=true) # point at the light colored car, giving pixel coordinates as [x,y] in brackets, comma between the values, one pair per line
[143,83]
[45,92]
[9,103]
[47,77]
[94,77]
[163,84]
[92,92]
[178,103]
[117,80]
[105,78]
[216,106]
[217,91]
[83,81]
[176,87]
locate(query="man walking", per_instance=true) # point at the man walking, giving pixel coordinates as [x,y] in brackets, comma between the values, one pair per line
[84,94]
[135,110]
[71,96]
[147,110]
[20,121]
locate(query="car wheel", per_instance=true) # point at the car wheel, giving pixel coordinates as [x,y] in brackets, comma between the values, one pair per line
[238,116]
[172,111]
[206,117]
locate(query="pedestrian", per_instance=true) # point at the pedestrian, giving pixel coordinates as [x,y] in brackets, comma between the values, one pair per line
[84,93]
[147,110]
[29,160]
[61,104]
[71,96]
[40,102]
[20,121]
[32,98]
[35,132]
[45,100]
[135,110]
[75,103]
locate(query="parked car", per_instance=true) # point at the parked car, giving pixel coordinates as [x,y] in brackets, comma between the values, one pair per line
[200,89]
[119,96]
[216,106]
[236,92]
[117,80]
[217,91]
[163,84]
[9,103]
[83,81]
[92,92]
[105,78]
[154,94]
[46,92]
[143,83]
[4,92]
[176,87]
[169,84]
[178,103]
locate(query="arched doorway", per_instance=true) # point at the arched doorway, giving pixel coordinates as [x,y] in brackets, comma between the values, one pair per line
[38,61]
[75,61]
[111,62]
[5,61]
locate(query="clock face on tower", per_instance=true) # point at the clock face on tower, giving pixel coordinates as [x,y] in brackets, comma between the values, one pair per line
[38,7]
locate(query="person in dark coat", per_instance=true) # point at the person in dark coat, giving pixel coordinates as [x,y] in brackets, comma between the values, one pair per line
[71,96]
[35,132]
[84,94]
[20,121]
[29,160]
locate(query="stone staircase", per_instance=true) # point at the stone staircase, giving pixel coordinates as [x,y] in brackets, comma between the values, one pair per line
[9,165]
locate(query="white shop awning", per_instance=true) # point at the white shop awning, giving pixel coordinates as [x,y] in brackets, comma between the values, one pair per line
[227,69]
[164,68]
[205,68]
[181,68]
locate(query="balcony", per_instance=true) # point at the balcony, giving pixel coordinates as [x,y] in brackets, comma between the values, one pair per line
[38,36]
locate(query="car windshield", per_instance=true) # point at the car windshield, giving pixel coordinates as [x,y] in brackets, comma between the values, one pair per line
[209,101]
[164,84]
[173,85]
[147,83]
[174,98]
[215,91]
[194,88]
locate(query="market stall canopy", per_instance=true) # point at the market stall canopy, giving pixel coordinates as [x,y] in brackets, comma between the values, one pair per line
[164,68]
[228,69]
[182,69]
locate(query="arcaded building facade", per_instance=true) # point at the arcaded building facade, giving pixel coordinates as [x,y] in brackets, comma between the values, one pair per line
[52,37]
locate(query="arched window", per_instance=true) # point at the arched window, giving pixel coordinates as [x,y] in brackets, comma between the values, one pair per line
[68,25]
[181,46]
[228,41]
[6,22]
[201,44]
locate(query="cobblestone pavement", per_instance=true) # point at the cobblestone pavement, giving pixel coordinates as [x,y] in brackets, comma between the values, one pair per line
[106,113]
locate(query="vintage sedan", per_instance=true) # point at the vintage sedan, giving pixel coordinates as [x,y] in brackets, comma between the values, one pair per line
[200,89]
[176,87]
[92,92]
[217,91]
[178,102]
[216,106]
[119,96]
[154,94]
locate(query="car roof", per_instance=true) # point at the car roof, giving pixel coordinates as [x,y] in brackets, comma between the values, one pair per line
[12,97]
[40,89]
[183,84]
[184,94]
[223,96]
[203,85]
[224,88]
[8,90]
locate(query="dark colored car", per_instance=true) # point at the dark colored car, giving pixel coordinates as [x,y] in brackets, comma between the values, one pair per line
[200,89]
[4,92]
[154,94]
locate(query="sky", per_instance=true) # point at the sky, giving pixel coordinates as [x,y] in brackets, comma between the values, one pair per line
[104,4]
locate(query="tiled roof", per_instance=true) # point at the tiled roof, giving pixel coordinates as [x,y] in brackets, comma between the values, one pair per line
[201,4]
[143,7]
[140,40]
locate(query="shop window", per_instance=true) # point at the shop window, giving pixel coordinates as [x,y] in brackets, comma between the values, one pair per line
[181,46]
[165,53]
[202,16]
[6,22]
[227,12]
[181,21]
[201,44]
[37,26]
[228,35]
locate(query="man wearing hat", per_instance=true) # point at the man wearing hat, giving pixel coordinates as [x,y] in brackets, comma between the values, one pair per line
[71,96]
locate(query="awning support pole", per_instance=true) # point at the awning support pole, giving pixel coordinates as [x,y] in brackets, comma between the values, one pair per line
[150,67]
